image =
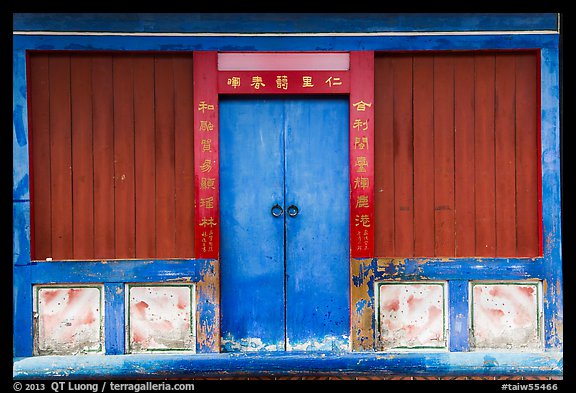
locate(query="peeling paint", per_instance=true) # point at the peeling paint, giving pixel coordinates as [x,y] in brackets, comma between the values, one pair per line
[327,343]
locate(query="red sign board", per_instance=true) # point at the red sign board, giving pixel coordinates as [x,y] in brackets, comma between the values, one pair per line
[283,82]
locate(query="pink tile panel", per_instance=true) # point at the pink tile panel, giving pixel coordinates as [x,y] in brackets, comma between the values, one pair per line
[412,315]
[161,318]
[505,316]
[69,320]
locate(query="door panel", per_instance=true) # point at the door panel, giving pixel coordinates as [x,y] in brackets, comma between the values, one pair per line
[252,240]
[317,239]
[284,280]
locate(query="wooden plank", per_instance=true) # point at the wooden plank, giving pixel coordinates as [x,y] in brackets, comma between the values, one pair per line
[145,157]
[184,155]
[40,157]
[527,155]
[444,156]
[423,156]
[464,225]
[484,156]
[61,158]
[103,151]
[82,163]
[164,117]
[124,157]
[403,158]
[505,161]
[383,157]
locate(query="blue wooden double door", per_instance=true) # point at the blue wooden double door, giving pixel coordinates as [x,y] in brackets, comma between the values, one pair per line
[284,211]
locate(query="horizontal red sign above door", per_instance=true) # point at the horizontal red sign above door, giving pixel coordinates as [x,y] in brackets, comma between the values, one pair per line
[283,82]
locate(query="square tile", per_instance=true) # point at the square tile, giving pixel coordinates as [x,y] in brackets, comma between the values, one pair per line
[69,319]
[411,315]
[161,318]
[505,315]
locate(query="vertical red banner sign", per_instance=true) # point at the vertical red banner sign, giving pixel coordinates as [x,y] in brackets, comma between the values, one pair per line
[206,176]
[362,154]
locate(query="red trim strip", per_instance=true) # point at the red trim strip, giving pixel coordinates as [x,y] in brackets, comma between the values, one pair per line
[206,178]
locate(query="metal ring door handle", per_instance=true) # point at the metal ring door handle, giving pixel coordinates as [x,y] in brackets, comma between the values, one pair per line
[277,210]
[293,210]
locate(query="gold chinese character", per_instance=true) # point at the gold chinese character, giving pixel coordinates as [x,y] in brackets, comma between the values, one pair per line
[361,163]
[362,201]
[257,82]
[333,81]
[282,82]
[206,143]
[234,81]
[206,166]
[360,125]
[361,143]
[361,182]
[361,105]
[207,183]
[206,125]
[307,81]
[207,222]
[208,203]
[203,106]
[362,219]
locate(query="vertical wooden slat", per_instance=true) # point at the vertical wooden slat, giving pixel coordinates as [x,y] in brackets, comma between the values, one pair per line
[423,156]
[444,156]
[164,115]
[103,151]
[464,156]
[403,158]
[61,159]
[144,155]
[82,169]
[184,156]
[505,156]
[484,156]
[527,154]
[40,147]
[383,157]
[124,157]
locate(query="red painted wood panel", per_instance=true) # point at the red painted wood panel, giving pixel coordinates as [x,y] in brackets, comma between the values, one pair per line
[61,158]
[403,158]
[444,156]
[527,155]
[464,200]
[383,157]
[145,157]
[103,155]
[505,162]
[82,163]
[41,216]
[423,106]
[484,156]
[462,130]
[125,231]
[165,162]
[112,156]
[184,155]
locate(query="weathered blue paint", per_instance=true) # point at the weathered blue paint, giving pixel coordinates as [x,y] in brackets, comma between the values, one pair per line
[289,364]
[115,319]
[551,212]
[281,43]
[22,321]
[20,172]
[317,239]
[270,155]
[21,233]
[458,315]
[251,239]
[283,22]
